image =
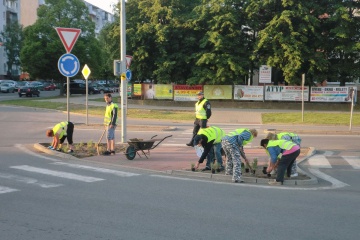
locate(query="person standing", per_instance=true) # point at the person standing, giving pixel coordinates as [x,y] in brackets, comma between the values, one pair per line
[233,145]
[202,114]
[283,154]
[110,122]
[59,133]
[210,139]
[289,136]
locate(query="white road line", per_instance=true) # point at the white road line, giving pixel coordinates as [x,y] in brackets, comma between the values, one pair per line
[95,169]
[7,190]
[335,183]
[319,161]
[29,180]
[57,173]
[328,153]
[354,161]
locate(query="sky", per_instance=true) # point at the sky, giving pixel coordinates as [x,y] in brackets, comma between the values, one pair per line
[103,4]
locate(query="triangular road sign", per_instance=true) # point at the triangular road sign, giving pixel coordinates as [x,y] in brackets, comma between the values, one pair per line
[68,37]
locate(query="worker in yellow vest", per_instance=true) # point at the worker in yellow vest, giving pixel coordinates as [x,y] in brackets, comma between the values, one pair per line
[210,139]
[59,133]
[110,122]
[282,154]
[202,114]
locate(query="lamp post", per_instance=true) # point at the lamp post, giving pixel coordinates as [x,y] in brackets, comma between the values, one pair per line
[123,81]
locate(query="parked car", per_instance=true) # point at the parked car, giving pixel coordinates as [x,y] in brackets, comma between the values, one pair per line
[11,82]
[49,86]
[102,88]
[28,91]
[21,84]
[80,88]
[38,85]
[7,87]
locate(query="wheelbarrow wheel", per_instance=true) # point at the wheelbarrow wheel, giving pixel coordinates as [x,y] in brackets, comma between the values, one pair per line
[130,152]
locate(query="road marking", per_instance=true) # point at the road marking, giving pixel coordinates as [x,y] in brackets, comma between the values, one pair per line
[7,190]
[354,161]
[328,153]
[335,183]
[57,173]
[95,169]
[24,149]
[29,180]
[319,161]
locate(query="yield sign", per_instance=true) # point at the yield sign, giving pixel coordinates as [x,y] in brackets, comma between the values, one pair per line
[68,37]
[128,60]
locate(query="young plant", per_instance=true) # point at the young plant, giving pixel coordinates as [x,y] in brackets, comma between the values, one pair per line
[254,164]
[90,145]
[193,167]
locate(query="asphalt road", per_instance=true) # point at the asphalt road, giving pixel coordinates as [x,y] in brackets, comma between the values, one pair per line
[43,197]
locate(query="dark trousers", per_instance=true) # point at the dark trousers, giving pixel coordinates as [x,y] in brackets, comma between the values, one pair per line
[198,123]
[69,134]
[285,164]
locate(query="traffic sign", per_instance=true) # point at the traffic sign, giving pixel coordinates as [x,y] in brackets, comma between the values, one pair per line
[68,65]
[86,71]
[128,61]
[128,74]
[68,37]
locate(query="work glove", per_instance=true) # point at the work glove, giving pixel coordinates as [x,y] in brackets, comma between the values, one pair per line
[51,148]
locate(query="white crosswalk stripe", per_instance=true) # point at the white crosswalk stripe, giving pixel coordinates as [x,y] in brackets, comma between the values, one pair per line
[95,169]
[28,180]
[7,190]
[354,161]
[58,173]
[319,161]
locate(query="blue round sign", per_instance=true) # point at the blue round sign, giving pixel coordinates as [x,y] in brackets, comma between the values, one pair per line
[128,74]
[68,65]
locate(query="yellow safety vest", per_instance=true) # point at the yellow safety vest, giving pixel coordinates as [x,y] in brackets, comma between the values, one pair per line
[238,132]
[62,126]
[212,133]
[108,111]
[283,144]
[200,112]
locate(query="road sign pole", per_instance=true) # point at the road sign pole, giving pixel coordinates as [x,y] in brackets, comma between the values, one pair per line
[123,67]
[68,98]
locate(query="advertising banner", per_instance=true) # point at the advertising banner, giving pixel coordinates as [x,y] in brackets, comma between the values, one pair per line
[137,90]
[147,91]
[286,93]
[333,94]
[253,93]
[218,91]
[163,91]
[186,92]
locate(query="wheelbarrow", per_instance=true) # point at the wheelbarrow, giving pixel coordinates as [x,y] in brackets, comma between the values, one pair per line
[136,145]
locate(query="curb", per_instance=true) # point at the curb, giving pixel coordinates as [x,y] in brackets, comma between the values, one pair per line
[54,153]
[319,132]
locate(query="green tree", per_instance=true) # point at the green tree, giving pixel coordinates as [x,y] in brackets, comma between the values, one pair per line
[12,38]
[43,48]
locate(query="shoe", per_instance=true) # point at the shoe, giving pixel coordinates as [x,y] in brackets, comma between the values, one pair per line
[275,183]
[112,152]
[106,153]
[239,181]
[58,150]
[294,175]
[190,145]
[205,169]
[70,151]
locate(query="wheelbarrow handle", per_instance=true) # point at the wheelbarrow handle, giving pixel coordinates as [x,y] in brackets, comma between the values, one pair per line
[160,141]
[153,136]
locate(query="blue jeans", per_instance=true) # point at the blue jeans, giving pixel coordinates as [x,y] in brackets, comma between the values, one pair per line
[210,157]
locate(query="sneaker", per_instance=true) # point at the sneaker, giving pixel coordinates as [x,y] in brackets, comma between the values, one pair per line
[70,151]
[189,145]
[58,150]
[106,153]
[206,169]
[112,152]
[294,175]
[275,183]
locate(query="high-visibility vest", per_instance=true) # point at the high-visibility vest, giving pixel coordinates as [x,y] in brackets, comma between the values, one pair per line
[283,144]
[212,133]
[289,136]
[60,126]
[238,132]
[200,112]
[108,111]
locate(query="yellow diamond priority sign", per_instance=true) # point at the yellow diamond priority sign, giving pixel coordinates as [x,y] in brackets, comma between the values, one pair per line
[86,71]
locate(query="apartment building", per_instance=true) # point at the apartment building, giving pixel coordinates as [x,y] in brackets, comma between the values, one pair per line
[9,10]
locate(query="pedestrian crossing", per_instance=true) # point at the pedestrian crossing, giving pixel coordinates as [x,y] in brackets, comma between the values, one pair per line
[328,161]
[22,172]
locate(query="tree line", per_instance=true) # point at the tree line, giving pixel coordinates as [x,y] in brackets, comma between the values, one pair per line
[201,41]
